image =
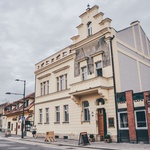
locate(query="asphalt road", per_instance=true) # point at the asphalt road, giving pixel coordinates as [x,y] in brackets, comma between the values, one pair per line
[9,144]
[12,145]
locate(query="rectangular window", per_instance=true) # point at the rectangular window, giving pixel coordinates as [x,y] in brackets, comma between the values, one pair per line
[40,115]
[99,68]
[62,82]
[57,83]
[86,111]
[140,117]
[65,81]
[47,115]
[47,87]
[57,113]
[123,120]
[26,104]
[89,26]
[84,73]
[44,88]
[66,113]
[41,89]
[17,107]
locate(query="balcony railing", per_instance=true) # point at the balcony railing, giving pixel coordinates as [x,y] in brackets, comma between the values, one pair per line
[91,84]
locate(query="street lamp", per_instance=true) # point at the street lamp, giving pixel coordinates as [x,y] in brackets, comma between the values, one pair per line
[22,118]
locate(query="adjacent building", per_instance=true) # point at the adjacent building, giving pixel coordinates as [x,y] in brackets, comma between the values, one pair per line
[2,118]
[13,115]
[79,88]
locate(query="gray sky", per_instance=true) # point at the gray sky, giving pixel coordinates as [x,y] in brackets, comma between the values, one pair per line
[31,30]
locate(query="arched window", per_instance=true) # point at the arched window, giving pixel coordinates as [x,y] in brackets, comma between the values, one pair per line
[89,27]
[86,111]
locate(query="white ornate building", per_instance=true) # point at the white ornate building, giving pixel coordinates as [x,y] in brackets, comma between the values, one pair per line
[76,87]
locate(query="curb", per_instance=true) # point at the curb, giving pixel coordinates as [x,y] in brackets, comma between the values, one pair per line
[81,146]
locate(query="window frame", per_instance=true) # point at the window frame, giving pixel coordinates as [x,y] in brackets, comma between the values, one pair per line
[57,113]
[98,68]
[84,73]
[47,86]
[136,123]
[61,82]
[66,113]
[40,115]
[47,115]
[89,28]
[86,111]
[123,128]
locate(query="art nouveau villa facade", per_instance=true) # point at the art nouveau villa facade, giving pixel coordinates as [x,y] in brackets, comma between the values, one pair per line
[90,85]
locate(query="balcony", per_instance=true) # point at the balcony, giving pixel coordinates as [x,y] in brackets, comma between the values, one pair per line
[98,85]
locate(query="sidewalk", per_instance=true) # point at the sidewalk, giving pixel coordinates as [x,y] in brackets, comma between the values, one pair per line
[93,145]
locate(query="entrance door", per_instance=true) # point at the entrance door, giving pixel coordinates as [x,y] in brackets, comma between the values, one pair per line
[16,128]
[102,122]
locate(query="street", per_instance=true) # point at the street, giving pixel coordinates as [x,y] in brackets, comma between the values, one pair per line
[11,144]
[28,143]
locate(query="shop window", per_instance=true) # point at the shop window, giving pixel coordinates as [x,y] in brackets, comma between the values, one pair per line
[140,118]
[123,120]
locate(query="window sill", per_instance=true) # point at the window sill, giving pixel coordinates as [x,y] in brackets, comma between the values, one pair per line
[65,122]
[56,122]
[46,123]
[85,121]
[39,123]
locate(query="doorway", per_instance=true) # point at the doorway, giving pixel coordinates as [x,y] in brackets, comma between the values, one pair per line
[102,126]
[16,128]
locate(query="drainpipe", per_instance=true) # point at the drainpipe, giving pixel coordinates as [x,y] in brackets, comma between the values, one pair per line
[114,81]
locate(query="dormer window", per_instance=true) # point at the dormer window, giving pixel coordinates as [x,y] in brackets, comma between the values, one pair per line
[26,104]
[89,27]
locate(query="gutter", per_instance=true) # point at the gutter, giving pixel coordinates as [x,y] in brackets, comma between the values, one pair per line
[114,81]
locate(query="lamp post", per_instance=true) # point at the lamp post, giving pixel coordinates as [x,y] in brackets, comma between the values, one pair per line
[22,118]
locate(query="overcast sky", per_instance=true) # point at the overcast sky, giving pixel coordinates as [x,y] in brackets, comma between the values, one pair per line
[31,30]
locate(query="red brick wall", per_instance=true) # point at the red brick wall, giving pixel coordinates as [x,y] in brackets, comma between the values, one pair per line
[147,114]
[131,117]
